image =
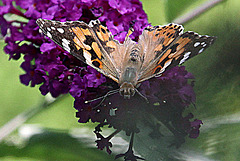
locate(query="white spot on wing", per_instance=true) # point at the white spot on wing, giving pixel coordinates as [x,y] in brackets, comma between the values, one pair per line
[48,29]
[65,41]
[185,57]
[87,56]
[90,24]
[65,44]
[93,22]
[167,63]
[203,44]
[53,28]
[201,50]
[196,44]
[49,35]
[60,30]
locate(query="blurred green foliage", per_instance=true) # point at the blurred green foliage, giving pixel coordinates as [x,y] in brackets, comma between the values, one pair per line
[174,8]
[217,89]
[52,146]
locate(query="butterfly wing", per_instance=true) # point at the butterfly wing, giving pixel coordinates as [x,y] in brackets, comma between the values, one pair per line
[167,47]
[116,51]
[92,44]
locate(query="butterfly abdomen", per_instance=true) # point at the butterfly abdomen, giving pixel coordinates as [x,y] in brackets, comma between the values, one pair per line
[129,77]
[130,66]
[127,82]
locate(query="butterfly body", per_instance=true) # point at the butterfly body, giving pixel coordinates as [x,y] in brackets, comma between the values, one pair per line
[159,48]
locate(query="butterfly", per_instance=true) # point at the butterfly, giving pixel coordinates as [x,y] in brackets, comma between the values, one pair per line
[158,49]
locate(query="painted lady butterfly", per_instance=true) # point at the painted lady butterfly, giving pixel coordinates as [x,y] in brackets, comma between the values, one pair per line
[158,49]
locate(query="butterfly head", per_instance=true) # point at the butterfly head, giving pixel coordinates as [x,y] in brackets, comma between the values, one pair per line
[127,90]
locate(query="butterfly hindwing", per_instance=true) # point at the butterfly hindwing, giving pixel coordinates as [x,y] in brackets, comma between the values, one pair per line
[181,48]
[82,41]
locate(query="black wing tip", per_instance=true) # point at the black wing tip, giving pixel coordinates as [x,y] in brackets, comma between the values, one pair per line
[39,21]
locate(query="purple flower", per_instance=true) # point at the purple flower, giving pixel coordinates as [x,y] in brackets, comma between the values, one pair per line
[47,46]
[12,49]
[3,26]
[195,126]
[56,82]
[192,128]
[78,86]
[122,7]
[94,78]
[171,86]
[85,111]
[33,75]
[6,8]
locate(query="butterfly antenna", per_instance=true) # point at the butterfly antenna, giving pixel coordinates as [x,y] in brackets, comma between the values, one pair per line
[142,95]
[103,97]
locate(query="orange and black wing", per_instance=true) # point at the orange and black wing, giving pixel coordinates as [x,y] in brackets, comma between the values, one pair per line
[166,47]
[91,43]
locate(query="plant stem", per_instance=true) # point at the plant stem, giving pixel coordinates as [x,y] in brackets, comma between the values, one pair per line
[196,12]
[13,124]
[131,142]
[113,134]
[17,12]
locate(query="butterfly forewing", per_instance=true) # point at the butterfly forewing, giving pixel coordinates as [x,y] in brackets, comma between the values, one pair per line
[178,49]
[188,45]
[82,41]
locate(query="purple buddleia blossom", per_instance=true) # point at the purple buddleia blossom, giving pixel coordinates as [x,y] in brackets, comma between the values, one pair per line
[172,85]
[94,78]
[192,128]
[57,72]
[3,26]
[78,86]
[56,82]
[33,75]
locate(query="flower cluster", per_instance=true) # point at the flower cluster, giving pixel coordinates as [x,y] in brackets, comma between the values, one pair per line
[57,72]
[168,97]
